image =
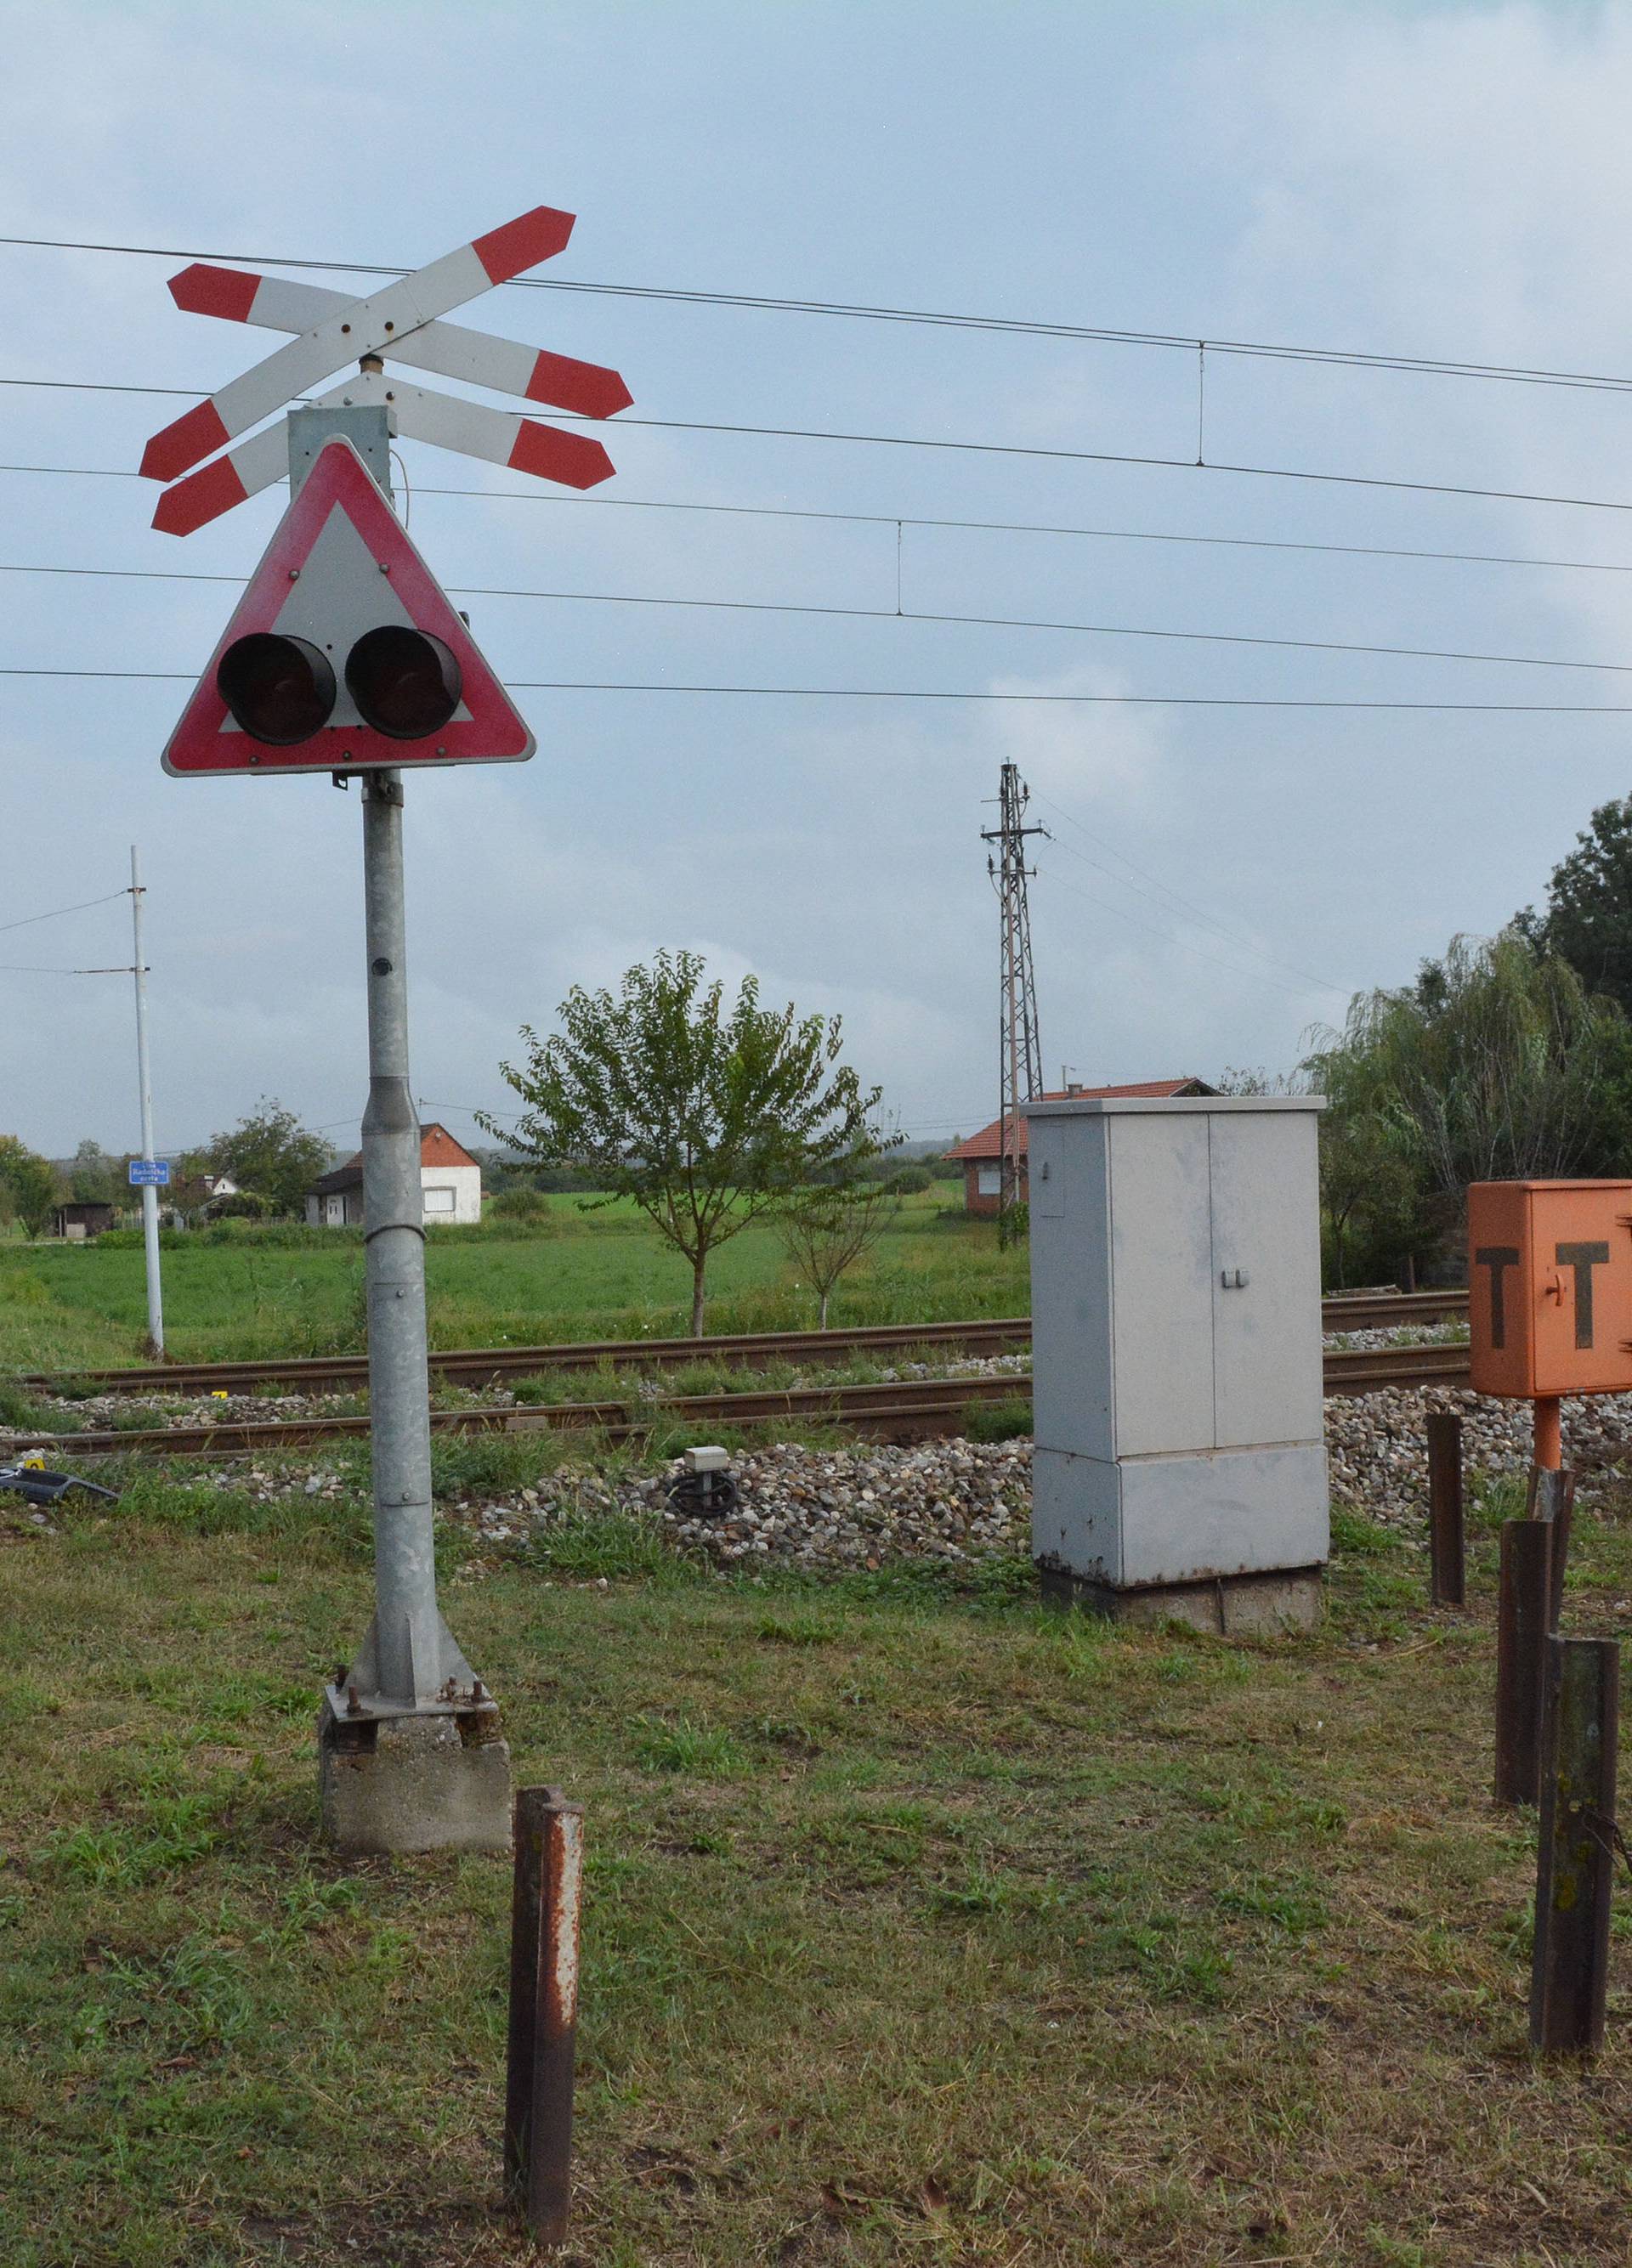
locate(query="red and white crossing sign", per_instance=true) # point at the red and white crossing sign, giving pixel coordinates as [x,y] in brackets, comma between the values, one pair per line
[400,323]
[344,653]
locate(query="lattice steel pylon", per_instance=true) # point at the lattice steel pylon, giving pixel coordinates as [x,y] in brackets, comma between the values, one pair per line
[1019,1054]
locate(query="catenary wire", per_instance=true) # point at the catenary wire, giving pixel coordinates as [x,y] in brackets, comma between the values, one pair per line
[1176,898]
[1119,916]
[920,520]
[56,912]
[925,693]
[1006,449]
[1233,940]
[907,614]
[1355,357]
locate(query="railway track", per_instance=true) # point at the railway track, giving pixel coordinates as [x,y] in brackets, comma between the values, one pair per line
[491,1366]
[478,1366]
[900,1410]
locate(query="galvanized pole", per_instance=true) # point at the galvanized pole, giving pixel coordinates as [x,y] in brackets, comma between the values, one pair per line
[150,1195]
[440,1772]
[404,1663]
[408,1661]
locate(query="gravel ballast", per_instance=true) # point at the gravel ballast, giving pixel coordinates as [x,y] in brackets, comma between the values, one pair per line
[955,1501]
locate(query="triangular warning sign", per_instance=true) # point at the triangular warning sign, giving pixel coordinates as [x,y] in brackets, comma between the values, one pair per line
[340,565]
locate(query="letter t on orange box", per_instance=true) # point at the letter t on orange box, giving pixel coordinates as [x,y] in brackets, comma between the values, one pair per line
[1550,1287]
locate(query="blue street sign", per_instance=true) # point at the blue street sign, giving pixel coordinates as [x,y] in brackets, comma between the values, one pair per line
[154,1173]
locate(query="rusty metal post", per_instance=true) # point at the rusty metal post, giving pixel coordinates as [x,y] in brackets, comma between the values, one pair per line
[1447,1571]
[1548,1430]
[544,2009]
[1523,1620]
[1575,1859]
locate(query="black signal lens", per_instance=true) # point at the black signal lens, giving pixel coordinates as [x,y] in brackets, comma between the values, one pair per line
[405,683]
[280,690]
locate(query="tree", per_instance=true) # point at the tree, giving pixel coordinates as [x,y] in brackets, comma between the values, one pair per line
[92,1175]
[270,1155]
[28,1185]
[1496,1064]
[825,1231]
[1588,917]
[704,1118]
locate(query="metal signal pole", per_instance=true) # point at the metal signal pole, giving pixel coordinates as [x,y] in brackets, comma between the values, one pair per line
[448,1779]
[1019,1054]
[150,1195]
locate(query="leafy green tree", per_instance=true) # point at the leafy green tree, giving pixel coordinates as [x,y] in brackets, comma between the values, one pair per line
[1587,920]
[271,1156]
[826,1230]
[705,1117]
[1496,1064]
[92,1176]
[28,1185]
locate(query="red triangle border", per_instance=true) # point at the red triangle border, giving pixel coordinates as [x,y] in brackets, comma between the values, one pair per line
[495,731]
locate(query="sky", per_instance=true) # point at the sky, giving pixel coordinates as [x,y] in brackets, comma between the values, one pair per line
[1443,183]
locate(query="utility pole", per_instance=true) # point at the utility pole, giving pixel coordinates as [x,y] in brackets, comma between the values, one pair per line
[150,1195]
[440,1772]
[1019,1054]
[345,655]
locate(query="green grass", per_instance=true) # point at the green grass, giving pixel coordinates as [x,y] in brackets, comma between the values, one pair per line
[604,1274]
[920,1925]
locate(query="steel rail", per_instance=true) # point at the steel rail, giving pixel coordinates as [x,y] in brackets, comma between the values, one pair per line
[486,1365]
[489,1365]
[898,1409]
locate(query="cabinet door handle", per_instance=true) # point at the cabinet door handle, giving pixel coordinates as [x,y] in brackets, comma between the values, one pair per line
[1233,1280]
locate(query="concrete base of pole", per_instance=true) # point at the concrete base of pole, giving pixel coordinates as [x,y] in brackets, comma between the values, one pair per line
[1225,1606]
[438,1781]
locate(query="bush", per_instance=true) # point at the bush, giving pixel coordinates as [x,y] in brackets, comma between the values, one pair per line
[910,1182]
[521,1202]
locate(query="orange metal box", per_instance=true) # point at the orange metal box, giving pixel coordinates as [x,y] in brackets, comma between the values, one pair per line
[1550,1287]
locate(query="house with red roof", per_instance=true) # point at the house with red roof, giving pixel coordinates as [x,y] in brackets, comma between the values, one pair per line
[981,1155]
[450,1177]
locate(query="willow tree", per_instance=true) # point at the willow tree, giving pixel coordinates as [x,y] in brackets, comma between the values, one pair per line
[1496,1064]
[703,1116]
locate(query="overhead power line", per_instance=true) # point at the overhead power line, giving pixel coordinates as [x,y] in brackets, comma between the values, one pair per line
[905,520]
[932,693]
[906,615]
[1057,456]
[1234,940]
[1120,917]
[56,912]
[858,311]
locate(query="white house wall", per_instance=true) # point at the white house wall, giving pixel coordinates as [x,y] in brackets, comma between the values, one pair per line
[463,1184]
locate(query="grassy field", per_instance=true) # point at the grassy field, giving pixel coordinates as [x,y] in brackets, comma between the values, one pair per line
[922,1927]
[598,1275]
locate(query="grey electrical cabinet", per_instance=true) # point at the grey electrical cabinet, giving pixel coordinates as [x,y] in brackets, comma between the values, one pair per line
[1176,1344]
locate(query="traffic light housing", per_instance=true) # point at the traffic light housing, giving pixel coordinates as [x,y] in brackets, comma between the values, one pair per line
[278,690]
[344,654]
[281,690]
[405,682]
